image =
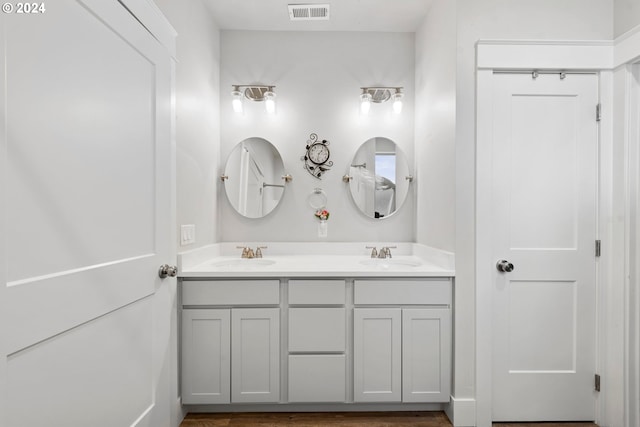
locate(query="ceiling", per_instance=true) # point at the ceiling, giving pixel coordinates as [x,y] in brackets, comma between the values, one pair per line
[345,15]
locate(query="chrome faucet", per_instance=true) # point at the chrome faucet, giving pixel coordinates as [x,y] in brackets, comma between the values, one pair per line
[374,251]
[385,252]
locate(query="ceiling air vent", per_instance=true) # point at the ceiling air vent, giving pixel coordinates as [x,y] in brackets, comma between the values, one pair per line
[309,12]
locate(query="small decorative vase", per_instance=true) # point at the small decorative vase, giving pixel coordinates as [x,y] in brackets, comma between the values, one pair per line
[322,228]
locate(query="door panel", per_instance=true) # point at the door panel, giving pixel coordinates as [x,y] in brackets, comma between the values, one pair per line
[544,185]
[80,369]
[88,204]
[426,355]
[206,356]
[532,348]
[255,352]
[544,199]
[377,354]
[58,144]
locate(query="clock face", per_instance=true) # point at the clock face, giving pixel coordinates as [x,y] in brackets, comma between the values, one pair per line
[318,153]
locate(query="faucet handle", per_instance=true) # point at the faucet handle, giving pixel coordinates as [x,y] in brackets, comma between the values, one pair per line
[259,251]
[245,251]
[386,252]
[374,251]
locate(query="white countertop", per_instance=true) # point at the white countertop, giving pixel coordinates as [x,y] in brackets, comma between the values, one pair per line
[285,259]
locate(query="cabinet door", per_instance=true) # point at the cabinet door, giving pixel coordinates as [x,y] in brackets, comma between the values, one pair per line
[255,346]
[426,355]
[205,356]
[377,354]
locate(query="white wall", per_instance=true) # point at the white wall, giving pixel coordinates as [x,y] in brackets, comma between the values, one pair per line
[318,76]
[498,19]
[435,126]
[626,15]
[197,116]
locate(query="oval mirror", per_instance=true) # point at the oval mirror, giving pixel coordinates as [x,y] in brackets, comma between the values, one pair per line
[379,178]
[253,177]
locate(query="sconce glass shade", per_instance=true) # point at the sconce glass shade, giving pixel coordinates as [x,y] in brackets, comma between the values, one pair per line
[365,103]
[380,95]
[236,101]
[397,102]
[270,102]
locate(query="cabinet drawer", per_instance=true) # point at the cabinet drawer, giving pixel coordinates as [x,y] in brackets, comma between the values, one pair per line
[317,329]
[317,378]
[317,292]
[231,292]
[420,291]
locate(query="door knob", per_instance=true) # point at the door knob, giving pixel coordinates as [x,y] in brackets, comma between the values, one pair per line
[167,270]
[504,266]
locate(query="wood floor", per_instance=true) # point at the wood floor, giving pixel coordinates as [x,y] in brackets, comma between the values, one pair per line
[349,419]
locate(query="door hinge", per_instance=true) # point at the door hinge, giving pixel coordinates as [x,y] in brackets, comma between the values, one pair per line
[596,384]
[598,112]
[598,248]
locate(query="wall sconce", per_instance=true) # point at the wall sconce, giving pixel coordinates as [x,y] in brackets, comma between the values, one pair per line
[255,93]
[379,95]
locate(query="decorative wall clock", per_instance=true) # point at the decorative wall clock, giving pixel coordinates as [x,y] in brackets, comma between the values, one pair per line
[316,159]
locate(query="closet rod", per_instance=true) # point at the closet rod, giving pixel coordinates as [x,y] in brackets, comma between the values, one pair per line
[536,73]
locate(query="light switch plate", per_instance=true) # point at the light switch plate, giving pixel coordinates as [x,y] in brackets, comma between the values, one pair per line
[187,234]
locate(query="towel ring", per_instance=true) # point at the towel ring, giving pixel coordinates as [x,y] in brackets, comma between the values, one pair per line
[317,199]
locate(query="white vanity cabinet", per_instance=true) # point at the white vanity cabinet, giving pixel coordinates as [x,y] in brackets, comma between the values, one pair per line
[334,341]
[317,341]
[230,350]
[402,353]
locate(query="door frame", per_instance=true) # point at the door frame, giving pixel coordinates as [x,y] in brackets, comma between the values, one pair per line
[627,132]
[536,55]
[632,246]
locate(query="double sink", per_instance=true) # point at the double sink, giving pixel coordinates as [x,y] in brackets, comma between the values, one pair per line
[320,259]
[258,263]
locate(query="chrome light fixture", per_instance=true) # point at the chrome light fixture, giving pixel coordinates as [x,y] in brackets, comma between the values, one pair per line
[256,93]
[380,94]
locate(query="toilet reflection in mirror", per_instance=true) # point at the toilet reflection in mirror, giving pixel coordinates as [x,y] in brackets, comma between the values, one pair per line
[378,173]
[253,177]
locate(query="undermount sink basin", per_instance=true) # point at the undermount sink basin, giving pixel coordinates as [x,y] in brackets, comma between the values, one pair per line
[243,263]
[390,262]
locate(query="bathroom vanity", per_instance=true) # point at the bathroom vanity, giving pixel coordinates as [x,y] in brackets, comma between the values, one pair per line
[344,329]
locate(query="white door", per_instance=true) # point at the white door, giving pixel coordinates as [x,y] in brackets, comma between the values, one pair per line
[206,356]
[86,200]
[544,213]
[255,355]
[426,355]
[377,354]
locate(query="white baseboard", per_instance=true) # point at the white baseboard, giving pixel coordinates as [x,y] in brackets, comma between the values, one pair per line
[178,413]
[462,412]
